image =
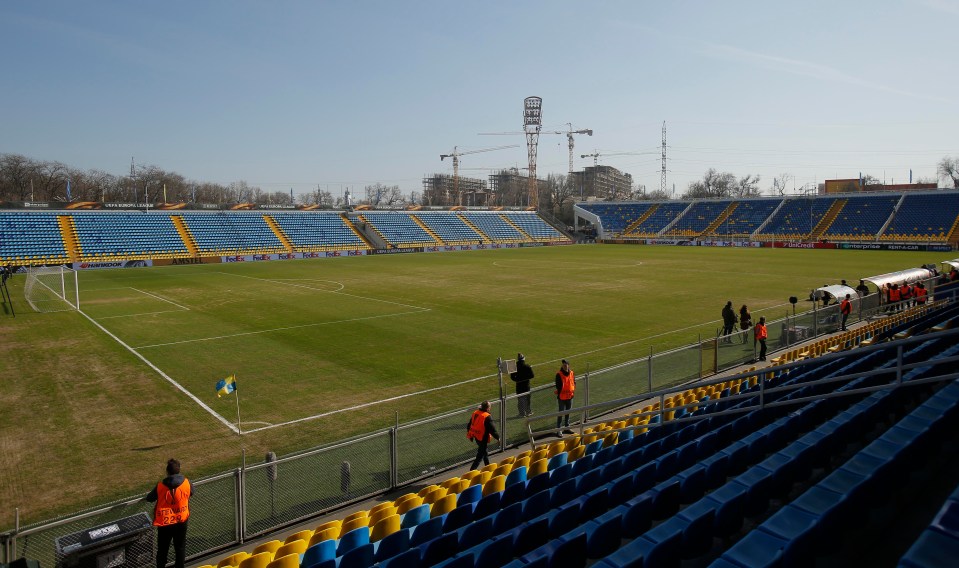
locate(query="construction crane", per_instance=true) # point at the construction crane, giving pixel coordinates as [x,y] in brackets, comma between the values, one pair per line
[569,132]
[455,154]
[596,154]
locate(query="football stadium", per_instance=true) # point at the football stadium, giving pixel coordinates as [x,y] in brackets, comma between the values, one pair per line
[315,371]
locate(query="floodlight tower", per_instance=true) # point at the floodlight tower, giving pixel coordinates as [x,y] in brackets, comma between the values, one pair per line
[662,177]
[532,124]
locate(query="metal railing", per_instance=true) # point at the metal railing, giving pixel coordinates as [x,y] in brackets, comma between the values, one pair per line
[230,508]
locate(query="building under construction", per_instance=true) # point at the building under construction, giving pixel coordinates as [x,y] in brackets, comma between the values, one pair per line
[604,182]
[444,190]
[510,188]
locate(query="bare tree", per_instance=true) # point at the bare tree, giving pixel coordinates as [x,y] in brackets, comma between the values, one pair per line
[654,195]
[948,169]
[747,186]
[713,184]
[780,183]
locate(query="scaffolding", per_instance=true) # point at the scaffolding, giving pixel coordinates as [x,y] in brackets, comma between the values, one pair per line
[440,190]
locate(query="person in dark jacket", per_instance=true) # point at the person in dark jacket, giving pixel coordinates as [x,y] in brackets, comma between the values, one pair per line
[522,376]
[480,429]
[729,321]
[171,513]
[745,321]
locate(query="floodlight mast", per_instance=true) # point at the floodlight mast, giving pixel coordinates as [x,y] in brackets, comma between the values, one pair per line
[532,124]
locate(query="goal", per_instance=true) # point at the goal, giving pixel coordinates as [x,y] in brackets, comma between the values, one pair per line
[52,289]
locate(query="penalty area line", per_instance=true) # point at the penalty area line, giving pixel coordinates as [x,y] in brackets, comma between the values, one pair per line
[167,377]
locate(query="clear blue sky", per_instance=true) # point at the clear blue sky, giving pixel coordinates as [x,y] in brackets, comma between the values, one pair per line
[294,94]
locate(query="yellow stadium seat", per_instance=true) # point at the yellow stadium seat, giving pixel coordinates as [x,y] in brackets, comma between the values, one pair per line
[443,506]
[470,475]
[537,467]
[449,482]
[489,468]
[354,524]
[258,560]
[522,462]
[296,547]
[286,561]
[270,547]
[576,453]
[379,506]
[481,479]
[385,527]
[424,491]
[434,496]
[610,439]
[503,469]
[301,535]
[494,485]
[233,559]
[407,504]
[356,515]
[329,533]
[381,514]
[328,524]
[459,487]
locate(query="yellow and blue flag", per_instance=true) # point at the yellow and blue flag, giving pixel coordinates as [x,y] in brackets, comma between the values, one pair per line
[226,386]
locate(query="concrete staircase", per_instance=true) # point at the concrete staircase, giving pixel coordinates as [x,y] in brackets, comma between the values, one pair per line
[827,219]
[68,232]
[721,219]
[484,236]
[519,229]
[632,226]
[287,243]
[185,235]
[429,231]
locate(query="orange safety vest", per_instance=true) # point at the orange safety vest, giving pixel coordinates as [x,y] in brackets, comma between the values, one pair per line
[845,307]
[568,385]
[921,295]
[760,331]
[905,292]
[894,295]
[477,426]
[172,507]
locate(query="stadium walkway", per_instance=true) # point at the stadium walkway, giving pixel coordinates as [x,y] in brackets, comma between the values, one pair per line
[494,457]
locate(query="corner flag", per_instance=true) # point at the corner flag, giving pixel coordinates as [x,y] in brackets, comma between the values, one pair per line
[226,386]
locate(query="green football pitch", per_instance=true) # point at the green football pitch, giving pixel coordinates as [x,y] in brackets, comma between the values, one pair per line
[325,349]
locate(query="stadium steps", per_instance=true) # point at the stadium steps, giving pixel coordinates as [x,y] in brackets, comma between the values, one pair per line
[895,211]
[279,233]
[372,229]
[953,236]
[470,224]
[519,229]
[185,234]
[721,219]
[359,234]
[428,230]
[68,231]
[758,233]
[827,219]
[669,226]
[632,226]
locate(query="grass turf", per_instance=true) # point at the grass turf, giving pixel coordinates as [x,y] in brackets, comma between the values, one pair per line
[85,420]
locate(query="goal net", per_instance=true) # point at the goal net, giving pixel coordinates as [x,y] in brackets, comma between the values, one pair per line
[52,289]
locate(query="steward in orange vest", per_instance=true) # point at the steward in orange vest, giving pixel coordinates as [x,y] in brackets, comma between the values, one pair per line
[760,334]
[845,308]
[565,390]
[921,294]
[170,514]
[480,429]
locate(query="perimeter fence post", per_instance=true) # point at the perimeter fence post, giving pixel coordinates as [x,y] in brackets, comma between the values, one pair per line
[238,494]
[586,409]
[700,355]
[815,318]
[394,450]
[649,369]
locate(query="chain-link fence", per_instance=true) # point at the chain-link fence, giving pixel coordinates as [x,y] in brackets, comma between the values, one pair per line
[232,507]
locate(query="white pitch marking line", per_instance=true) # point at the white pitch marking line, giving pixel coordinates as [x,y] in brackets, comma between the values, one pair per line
[169,379]
[279,329]
[140,314]
[159,298]
[329,291]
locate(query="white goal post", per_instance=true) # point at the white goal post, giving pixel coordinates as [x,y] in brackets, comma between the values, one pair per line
[52,289]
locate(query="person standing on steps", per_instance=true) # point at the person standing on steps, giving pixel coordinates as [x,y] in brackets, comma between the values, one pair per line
[522,377]
[565,390]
